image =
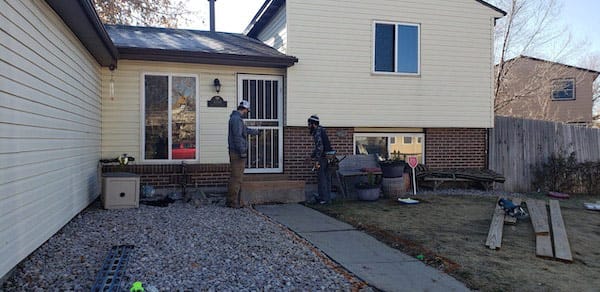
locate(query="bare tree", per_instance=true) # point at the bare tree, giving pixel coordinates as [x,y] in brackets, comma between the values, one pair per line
[163,13]
[529,28]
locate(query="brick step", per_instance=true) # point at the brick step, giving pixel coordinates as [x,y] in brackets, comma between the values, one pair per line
[272,191]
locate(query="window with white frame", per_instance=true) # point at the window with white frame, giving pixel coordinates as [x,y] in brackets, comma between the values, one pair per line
[383,146]
[397,48]
[169,117]
[563,89]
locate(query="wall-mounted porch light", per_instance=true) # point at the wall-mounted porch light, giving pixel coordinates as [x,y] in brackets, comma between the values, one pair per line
[217,85]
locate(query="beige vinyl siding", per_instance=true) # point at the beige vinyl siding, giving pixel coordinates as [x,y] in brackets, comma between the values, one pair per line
[121,117]
[334,77]
[275,33]
[49,127]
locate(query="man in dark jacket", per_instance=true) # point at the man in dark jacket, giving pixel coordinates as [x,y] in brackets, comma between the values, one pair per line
[322,146]
[238,152]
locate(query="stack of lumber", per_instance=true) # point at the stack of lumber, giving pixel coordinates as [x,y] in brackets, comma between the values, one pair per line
[484,175]
[551,236]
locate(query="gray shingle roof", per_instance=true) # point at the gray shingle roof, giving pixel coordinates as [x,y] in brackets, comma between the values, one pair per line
[194,46]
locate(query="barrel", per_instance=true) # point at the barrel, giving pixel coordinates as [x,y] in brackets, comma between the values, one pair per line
[393,187]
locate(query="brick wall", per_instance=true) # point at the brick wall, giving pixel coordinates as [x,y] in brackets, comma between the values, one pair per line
[456,148]
[171,175]
[298,145]
[444,148]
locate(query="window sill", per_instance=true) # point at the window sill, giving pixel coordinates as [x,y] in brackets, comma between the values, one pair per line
[417,75]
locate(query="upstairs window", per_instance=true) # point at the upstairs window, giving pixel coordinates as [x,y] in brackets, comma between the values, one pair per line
[397,48]
[563,89]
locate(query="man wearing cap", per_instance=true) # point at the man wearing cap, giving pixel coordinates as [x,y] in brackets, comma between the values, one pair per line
[322,145]
[238,152]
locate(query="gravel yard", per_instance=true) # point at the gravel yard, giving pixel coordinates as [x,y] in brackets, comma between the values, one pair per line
[179,247]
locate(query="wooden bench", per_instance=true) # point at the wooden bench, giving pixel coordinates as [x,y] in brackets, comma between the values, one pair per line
[352,166]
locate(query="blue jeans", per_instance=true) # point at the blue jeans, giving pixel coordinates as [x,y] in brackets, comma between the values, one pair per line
[324,181]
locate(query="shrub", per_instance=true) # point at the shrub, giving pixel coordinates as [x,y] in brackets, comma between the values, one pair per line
[563,173]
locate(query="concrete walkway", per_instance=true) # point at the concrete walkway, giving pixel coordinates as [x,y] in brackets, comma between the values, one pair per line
[381,266]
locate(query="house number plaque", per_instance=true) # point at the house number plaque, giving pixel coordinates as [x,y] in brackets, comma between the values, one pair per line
[217,101]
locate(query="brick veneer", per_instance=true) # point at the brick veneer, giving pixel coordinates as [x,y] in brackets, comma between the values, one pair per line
[298,145]
[444,148]
[169,175]
[456,148]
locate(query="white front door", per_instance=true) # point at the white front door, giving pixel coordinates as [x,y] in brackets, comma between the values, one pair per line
[265,94]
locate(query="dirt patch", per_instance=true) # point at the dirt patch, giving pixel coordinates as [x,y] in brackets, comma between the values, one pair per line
[449,233]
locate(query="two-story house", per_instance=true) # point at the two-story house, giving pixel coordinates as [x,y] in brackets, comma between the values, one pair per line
[543,90]
[386,72]
[384,76]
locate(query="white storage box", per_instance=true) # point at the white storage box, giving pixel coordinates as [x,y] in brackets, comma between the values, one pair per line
[120,190]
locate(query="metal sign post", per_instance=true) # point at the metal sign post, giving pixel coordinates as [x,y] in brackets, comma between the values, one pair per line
[413,162]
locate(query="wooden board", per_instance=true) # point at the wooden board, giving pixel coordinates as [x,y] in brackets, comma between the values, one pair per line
[562,248]
[494,239]
[543,246]
[539,216]
[510,219]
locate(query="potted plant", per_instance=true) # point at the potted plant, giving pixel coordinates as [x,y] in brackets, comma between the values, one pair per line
[393,166]
[369,190]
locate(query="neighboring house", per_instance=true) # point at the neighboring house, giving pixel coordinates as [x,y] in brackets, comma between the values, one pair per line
[384,76]
[544,90]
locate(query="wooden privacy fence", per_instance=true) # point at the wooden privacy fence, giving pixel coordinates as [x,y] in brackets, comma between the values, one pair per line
[516,146]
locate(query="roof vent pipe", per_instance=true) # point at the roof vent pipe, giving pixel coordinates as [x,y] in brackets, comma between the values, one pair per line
[212,15]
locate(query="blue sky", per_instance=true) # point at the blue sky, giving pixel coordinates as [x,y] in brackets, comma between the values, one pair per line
[581,16]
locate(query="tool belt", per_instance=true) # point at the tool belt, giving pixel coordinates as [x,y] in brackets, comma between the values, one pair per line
[332,161]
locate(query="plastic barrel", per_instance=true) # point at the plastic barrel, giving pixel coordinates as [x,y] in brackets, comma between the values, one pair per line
[393,187]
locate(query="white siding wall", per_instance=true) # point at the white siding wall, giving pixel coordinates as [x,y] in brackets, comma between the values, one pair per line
[121,120]
[49,127]
[275,33]
[333,41]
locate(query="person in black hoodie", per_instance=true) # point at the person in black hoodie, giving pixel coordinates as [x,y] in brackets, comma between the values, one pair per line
[238,152]
[321,147]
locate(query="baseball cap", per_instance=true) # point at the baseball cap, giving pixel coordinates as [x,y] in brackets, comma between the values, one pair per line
[245,104]
[313,118]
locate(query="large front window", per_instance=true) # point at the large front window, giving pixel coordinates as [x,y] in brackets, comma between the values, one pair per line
[390,145]
[397,48]
[169,120]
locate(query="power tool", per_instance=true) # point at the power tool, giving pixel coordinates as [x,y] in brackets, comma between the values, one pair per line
[513,210]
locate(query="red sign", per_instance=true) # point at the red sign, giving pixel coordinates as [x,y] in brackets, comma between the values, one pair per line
[412,161]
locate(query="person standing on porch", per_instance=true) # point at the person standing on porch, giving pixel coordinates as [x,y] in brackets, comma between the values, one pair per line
[321,147]
[238,152]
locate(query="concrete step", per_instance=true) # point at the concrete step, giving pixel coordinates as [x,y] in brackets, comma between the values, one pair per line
[265,176]
[272,191]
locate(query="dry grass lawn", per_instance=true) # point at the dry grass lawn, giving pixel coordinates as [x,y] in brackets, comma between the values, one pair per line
[450,232]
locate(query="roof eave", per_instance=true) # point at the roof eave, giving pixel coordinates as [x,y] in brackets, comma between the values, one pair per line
[82,19]
[262,17]
[493,7]
[205,58]
[556,63]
